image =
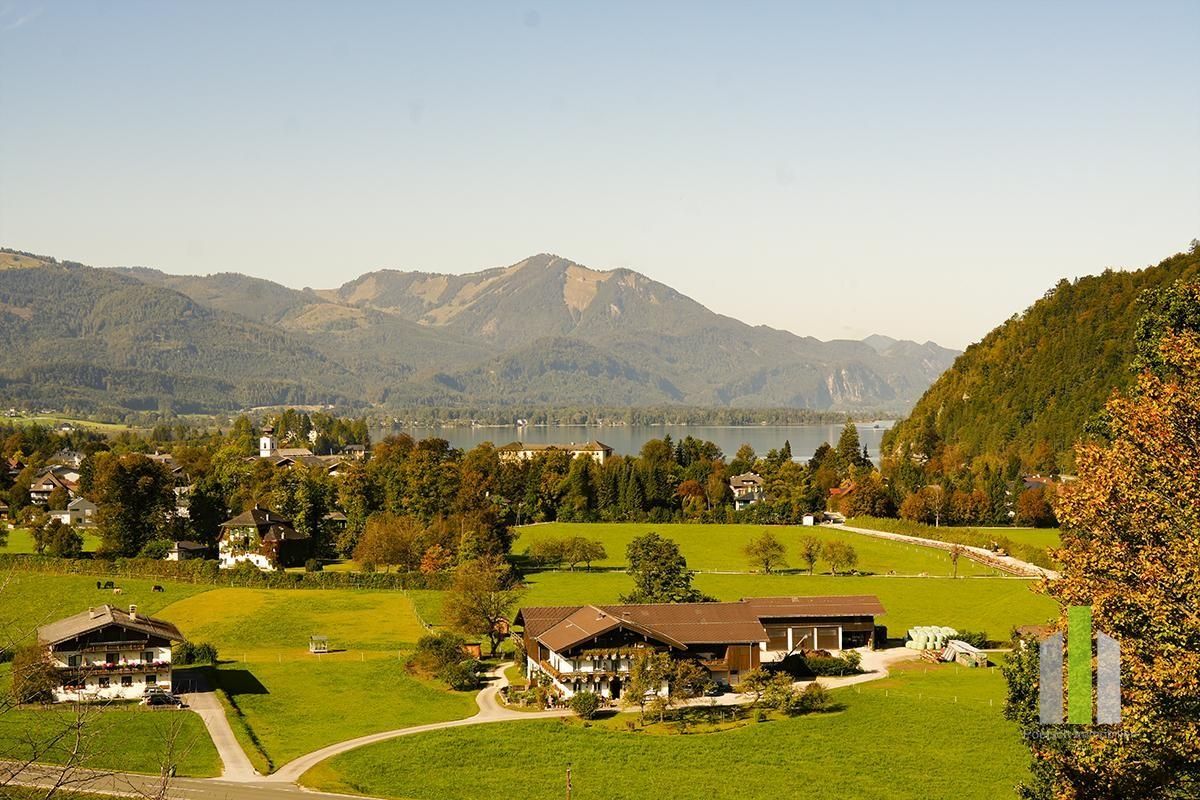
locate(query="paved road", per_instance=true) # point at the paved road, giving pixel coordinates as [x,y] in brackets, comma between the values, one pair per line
[235,764]
[983,555]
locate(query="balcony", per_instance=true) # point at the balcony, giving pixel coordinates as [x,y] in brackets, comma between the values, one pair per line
[122,668]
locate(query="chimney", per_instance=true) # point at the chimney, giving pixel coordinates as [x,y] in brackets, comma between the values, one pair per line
[132,611]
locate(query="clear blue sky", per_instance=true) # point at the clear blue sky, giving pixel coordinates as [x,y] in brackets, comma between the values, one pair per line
[933,167]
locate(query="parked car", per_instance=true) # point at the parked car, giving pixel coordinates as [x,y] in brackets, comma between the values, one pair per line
[162,699]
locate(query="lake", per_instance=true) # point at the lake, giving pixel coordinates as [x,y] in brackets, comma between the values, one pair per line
[628,439]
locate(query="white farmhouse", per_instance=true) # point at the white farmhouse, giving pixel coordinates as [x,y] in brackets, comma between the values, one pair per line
[105,653]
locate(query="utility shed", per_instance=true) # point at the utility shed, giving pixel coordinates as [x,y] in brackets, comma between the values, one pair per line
[318,644]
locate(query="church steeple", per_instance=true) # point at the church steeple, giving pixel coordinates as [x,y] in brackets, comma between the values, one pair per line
[266,443]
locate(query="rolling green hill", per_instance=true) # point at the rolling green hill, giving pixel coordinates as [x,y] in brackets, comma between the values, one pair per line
[1029,388]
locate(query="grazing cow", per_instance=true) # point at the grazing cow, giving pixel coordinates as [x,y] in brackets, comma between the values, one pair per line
[109,585]
[117,590]
[158,588]
[98,586]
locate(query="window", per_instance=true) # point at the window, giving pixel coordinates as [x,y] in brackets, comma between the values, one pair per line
[148,656]
[72,661]
[103,682]
[127,680]
[151,680]
[110,658]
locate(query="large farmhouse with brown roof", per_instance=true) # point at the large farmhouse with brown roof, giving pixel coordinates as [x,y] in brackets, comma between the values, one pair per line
[520,451]
[106,653]
[593,647]
[264,539]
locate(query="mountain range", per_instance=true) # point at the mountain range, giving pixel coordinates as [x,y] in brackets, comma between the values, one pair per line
[542,331]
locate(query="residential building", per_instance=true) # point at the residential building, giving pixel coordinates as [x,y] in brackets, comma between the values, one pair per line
[80,512]
[593,647]
[52,478]
[263,538]
[520,451]
[186,551]
[106,653]
[747,488]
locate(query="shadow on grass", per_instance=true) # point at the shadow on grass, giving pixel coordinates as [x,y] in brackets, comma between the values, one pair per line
[236,682]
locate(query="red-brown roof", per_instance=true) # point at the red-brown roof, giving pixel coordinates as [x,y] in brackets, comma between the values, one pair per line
[863,605]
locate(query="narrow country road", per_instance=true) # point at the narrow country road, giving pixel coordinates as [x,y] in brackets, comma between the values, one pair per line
[980,554]
[235,765]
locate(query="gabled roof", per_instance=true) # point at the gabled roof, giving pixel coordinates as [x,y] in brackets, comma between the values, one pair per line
[271,526]
[102,616]
[81,503]
[588,622]
[746,479]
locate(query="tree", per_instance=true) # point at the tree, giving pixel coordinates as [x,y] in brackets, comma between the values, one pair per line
[436,559]
[849,449]
[660,573]
[1033,508]
[482,597]
[585,704]
[755,682]
[839,555]
[136,497]
[578,549]
[956,551]
[648,672]
[1129,552]
[391,540]
[58,499]
[810,551]
[766,552]
[34,677]
[63,541]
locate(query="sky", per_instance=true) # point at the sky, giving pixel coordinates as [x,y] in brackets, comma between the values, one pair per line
[917,169]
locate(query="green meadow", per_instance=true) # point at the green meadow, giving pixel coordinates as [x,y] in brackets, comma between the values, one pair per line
[20,540]
[121,736]
[719,548]
[913,735]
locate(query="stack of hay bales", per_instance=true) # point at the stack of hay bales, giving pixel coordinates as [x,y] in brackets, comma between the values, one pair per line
[929,637]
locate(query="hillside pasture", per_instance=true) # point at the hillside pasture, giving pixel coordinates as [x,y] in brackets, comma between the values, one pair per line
[20,540]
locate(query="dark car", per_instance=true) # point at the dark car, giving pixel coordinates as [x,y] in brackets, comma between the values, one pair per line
[163,699]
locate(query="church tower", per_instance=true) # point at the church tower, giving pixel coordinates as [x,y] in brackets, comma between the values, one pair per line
[266,443]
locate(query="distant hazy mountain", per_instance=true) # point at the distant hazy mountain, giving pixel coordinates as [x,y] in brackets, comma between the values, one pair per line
[545,330]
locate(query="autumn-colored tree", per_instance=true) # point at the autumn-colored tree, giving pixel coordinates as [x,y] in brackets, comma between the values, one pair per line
[840,555]
[392,541]
[1033,507]
[810,551]
[436,559]
[1129,550]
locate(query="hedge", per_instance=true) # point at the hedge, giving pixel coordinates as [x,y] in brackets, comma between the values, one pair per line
[205,571]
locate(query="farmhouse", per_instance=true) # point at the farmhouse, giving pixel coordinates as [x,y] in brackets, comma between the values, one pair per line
[747,488]
[593,647]
[263,538]
[105,653]
[520,451]
[185,551]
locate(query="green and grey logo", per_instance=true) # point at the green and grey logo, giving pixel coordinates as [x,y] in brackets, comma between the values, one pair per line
[1078,696]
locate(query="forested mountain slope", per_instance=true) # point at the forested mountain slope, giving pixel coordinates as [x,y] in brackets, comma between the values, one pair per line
[1027,390]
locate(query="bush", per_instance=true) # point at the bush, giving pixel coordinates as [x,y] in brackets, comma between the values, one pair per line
[194,653]
[437,651]
[833,666]
[156,549]
[461,677]
[313,565]
[815,697]
[585,704]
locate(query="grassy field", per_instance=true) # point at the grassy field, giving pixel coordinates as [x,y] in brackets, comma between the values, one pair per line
[20,540]
[28,600]
[286,701]
[994,605]
[719,547]
[1040,537]
[122,736]
[907,737]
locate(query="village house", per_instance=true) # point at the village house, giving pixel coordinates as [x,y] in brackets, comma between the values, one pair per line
[80,512]
[593,647]
[296,456]
[264,539]
[747,488]
[50,479]
[185,551]
[105,653]
[519,451]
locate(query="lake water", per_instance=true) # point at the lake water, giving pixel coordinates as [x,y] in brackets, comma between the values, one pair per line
[628,439]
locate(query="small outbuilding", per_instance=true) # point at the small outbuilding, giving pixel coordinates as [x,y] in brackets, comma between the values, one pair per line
[318,644]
